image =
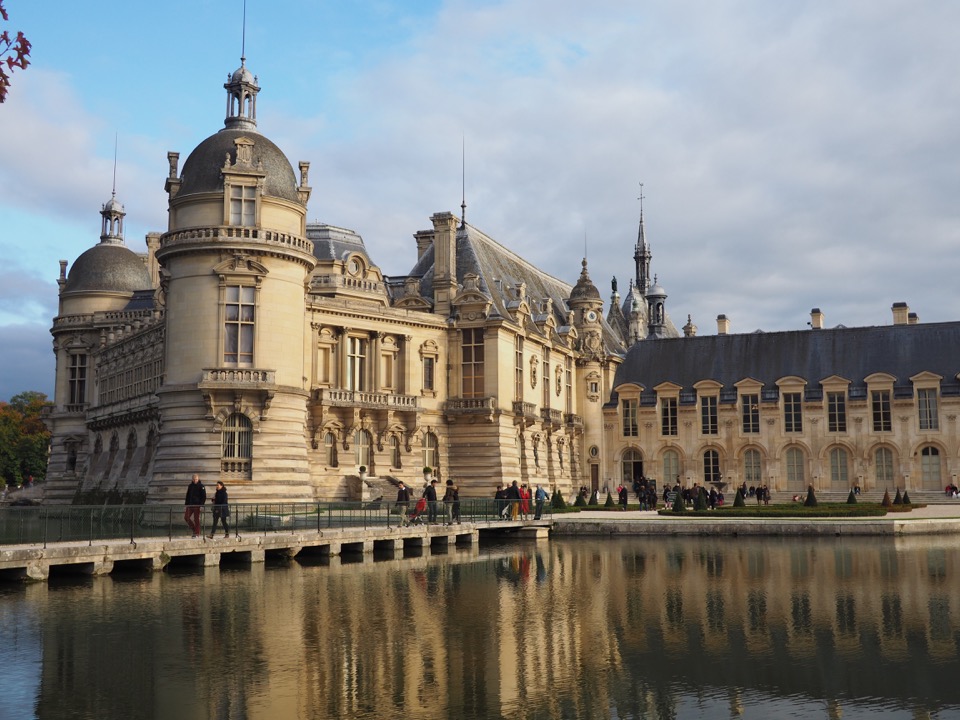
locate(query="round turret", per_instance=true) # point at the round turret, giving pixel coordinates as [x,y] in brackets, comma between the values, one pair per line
[108,268]
[585,290]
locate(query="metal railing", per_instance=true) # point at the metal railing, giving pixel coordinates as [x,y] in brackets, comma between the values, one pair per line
[43,524]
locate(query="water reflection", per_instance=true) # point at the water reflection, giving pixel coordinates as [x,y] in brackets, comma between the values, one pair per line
[652,629]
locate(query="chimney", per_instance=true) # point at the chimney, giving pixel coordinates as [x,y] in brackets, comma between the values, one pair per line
[816,319]
[444,262]
[723,325]
[901,313]
[424,240]
[912,318]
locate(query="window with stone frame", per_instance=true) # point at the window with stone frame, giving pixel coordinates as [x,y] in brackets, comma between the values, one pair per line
[792,412]
[750,413]
[236,444]
[78,378]
[752,474]
[395,452]
[361,449]
[243,205]
[330,449]
[430,455]
[711,466]
[357,351]
[708,415]
[239,324]
[836,412]
[927,407]
[880,409]
[428,373]
[668,416]
[930,467]
[518,368]
[671,467]
[795,461]
[839,466]
[472,363]
[629,409]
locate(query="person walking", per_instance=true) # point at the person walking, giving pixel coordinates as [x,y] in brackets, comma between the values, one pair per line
[403,499]
[624,496]
[448,503]
[196,497]
[500,497]
[513,495]
[221,510]
[430,495]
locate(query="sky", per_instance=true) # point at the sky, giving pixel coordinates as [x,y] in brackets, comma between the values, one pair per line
[793,155]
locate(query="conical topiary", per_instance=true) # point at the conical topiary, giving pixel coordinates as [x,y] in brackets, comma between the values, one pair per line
[678,504]
[593,499]
[906,498]
[811,500]
[557,502]
[886,502]
[579,502]
[897,500]
[700,501]
[851,498]
[738,500]
[609,502]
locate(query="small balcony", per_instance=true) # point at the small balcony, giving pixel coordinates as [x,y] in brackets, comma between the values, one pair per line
[470,407]
[332,397]
[237,378]
[574,422]
[551,417]
[525,412]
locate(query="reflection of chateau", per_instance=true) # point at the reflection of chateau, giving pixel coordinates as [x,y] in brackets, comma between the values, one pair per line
[552,630]
[252,347]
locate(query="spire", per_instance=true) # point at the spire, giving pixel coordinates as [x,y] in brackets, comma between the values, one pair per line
[641,253]
[463,182]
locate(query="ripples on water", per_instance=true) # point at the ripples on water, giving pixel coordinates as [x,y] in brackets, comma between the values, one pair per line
[662,629]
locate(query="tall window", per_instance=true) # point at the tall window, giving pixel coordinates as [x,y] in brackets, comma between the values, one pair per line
[751,467]
[631,466]
[473,363]
[837,412]
[668,416]
[927,405]
[428,370]
[357,364]
[394,451]
[518,369]
[78,379]
[750,413]
[243,205]
[361,448]
[880,406]
[568,375]
[708,415]
[430,456]
[546,377]
[711,466]
[330,449]
[838,466]
[238,325]
[237,443]
[795,463]
[883,462]
[792,413]
[930,466]
[671,467]
[630,418]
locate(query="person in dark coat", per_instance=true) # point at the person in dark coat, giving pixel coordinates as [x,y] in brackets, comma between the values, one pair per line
[501,499]
[403,498]
[430,495]
[513,495]
[624,496]
[221,510]
[196,497]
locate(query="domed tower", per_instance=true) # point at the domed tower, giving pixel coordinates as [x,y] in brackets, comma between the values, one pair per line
[107,291]
[234,261]
[657,313]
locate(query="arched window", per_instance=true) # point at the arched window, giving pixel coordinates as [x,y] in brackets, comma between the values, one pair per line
[671,467]
[839,464]
[751,467]
[795,474]
[361,446]
[711,466]
[330,449]
[430,456]
[930,467]
[237,444]
[394,451]
[883,461]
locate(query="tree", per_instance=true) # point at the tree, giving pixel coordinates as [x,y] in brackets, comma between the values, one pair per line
[23,438]
[13,54]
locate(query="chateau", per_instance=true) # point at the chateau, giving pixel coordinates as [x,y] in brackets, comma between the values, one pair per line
[252,347]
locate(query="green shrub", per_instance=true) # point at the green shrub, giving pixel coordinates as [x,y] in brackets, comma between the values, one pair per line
[557,502]
[678,505]
[593,499]
[738,500]
[609,502]
[580,502]
[851,498]
[886,502]
[811,500]
[906,498]
[898,499]
[700,501]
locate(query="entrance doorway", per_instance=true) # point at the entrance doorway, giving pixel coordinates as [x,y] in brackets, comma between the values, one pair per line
[594,478]
[631,467]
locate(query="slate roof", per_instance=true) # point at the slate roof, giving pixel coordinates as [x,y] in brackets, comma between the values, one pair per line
[108,267]
[851,353]
[500,270]
[335,243]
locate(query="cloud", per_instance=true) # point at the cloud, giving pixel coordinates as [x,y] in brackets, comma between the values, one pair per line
[28,362]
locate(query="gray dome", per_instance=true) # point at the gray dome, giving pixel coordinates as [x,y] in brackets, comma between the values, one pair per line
[201,171]
[108,268]
[584,289]
[241,74]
